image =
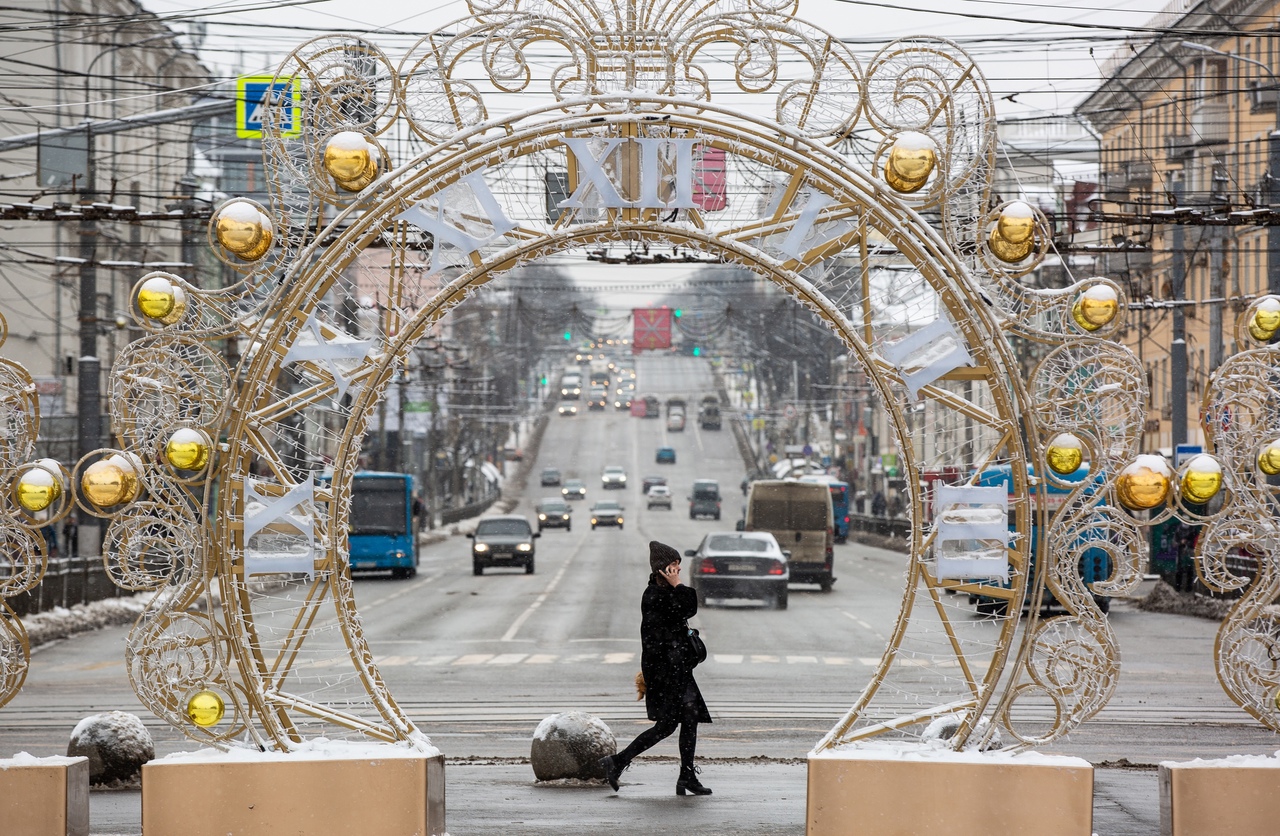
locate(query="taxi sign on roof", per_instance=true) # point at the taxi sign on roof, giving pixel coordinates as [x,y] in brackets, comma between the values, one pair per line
[255,92]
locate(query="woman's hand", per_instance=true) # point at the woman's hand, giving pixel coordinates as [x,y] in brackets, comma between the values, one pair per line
[671,574]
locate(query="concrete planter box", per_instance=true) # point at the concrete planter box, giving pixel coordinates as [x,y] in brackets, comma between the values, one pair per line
[908,790]
[44,796]
[370,790]
[1237,795]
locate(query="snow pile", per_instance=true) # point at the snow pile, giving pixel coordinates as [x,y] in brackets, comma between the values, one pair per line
[116,744]
[1164,598]
[570,745]
[318,749]
[28,759]
[60,622]
[1236,761]
[911,751]
[945,727]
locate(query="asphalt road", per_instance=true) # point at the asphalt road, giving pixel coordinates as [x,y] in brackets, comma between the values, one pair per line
[477,662]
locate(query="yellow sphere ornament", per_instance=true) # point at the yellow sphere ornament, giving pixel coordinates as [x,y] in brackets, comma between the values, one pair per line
[351,160]
[187,449]
[1017,223]
[1269,459]
[38,489]
[243,230]
[1265,321]
[1096,307]
[161,300]
[1144,483]
[1202,479]
[911,160]
[1065,454]
[205,708]
[104,483]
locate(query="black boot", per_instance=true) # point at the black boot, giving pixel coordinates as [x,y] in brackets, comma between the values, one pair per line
[688,781]
[612,770]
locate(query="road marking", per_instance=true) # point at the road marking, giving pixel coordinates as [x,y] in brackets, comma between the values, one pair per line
[524,616]
[437,660]
[394,661]
[473,659]
[758,658]
[508,659]
[413,587]
[728,658]
[541,659]
[618,658]
[803,660]
[864,625]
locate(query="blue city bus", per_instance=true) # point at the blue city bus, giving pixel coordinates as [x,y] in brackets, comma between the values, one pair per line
[839,503]
[1095,563]
[381,529]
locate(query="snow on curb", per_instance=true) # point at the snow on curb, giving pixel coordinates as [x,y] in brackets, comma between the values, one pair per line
[60,622]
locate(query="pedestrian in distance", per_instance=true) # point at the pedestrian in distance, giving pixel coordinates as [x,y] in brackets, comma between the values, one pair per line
[667,660]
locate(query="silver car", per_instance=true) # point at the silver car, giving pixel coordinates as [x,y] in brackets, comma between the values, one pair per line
[613,476]
[740,564]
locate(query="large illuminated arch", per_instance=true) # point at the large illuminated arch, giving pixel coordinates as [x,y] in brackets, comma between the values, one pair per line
[863,193]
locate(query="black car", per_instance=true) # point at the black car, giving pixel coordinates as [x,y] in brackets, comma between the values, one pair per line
[554,513]
[574,489]
[745,564]
[606,512]
[502,541]
[550,476]
[704,501]
[650,481]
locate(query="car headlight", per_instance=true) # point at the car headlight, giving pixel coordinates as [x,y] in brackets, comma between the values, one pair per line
[525,547]
[565,517]
[622,478]
[482,547]
[593,520]
[619,520]
[542,517]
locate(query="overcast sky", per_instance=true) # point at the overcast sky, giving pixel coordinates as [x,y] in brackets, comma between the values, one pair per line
[1042,54]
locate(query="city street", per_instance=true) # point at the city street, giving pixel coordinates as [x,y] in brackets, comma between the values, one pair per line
[478,661]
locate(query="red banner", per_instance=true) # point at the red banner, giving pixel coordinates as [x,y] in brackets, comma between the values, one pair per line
[652,329]
[710,184]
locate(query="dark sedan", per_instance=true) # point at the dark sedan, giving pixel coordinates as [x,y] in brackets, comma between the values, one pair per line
[741,564]
[574,489]
[554,513]
[502,541]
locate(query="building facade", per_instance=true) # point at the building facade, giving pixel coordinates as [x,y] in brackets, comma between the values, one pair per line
[1184,123]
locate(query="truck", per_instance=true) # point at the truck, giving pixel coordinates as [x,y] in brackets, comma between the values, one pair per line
[798,515]
[709,412]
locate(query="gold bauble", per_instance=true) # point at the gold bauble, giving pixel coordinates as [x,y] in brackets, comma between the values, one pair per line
[910,162]
[1065,454]
[104,483]
[1017,223]
[38,489]
[351,160]
[1202,479]
[205,708]
[1095,308]
[162,300]
[1143,484]
[187,449]
[1007,251]
[1269,459]
[1265,321]
[242,230]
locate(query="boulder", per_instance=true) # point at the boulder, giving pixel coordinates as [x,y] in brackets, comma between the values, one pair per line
[569,745]
[116,744]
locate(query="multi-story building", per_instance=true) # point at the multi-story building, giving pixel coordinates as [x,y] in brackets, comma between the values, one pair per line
[1184,120]
[67,63]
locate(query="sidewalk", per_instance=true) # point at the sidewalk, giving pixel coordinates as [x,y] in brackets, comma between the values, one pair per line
[765,798]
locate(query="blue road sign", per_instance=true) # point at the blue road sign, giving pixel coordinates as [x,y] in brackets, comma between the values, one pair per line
[254,93]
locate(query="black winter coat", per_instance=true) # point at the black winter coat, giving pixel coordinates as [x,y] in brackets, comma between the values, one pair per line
[663,612]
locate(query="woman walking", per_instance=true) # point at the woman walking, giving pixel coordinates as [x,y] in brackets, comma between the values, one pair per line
[672,698]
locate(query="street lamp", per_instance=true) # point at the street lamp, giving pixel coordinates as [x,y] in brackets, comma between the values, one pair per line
[1273,163]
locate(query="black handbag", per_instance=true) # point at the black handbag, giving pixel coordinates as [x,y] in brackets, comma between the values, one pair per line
[695,648]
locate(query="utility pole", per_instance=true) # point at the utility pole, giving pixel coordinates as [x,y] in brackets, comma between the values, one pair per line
[1178,350]
[88,367]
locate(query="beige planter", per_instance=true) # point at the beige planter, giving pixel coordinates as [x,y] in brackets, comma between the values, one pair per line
[44,796]
[395,793]
[905,791]
[1238,796]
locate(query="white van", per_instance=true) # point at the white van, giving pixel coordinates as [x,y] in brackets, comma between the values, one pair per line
[798,515]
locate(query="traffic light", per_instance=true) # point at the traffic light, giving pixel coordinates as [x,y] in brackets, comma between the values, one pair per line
[568,336]
[542,381]
[678,313]
[697,351]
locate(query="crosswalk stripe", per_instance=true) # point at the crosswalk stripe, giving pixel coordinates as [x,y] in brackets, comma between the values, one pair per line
[541,659]
[473,659]
[727,658]
[618,658]
[508,659]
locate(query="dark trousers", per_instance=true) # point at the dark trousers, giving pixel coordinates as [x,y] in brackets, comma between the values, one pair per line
[688,723]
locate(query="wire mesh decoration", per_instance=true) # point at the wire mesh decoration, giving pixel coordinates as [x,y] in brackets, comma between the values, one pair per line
[863,192]
[35,498]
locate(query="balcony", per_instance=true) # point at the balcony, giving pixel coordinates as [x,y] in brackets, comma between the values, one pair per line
[1178,148]
[1211,123]
[1263,97]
